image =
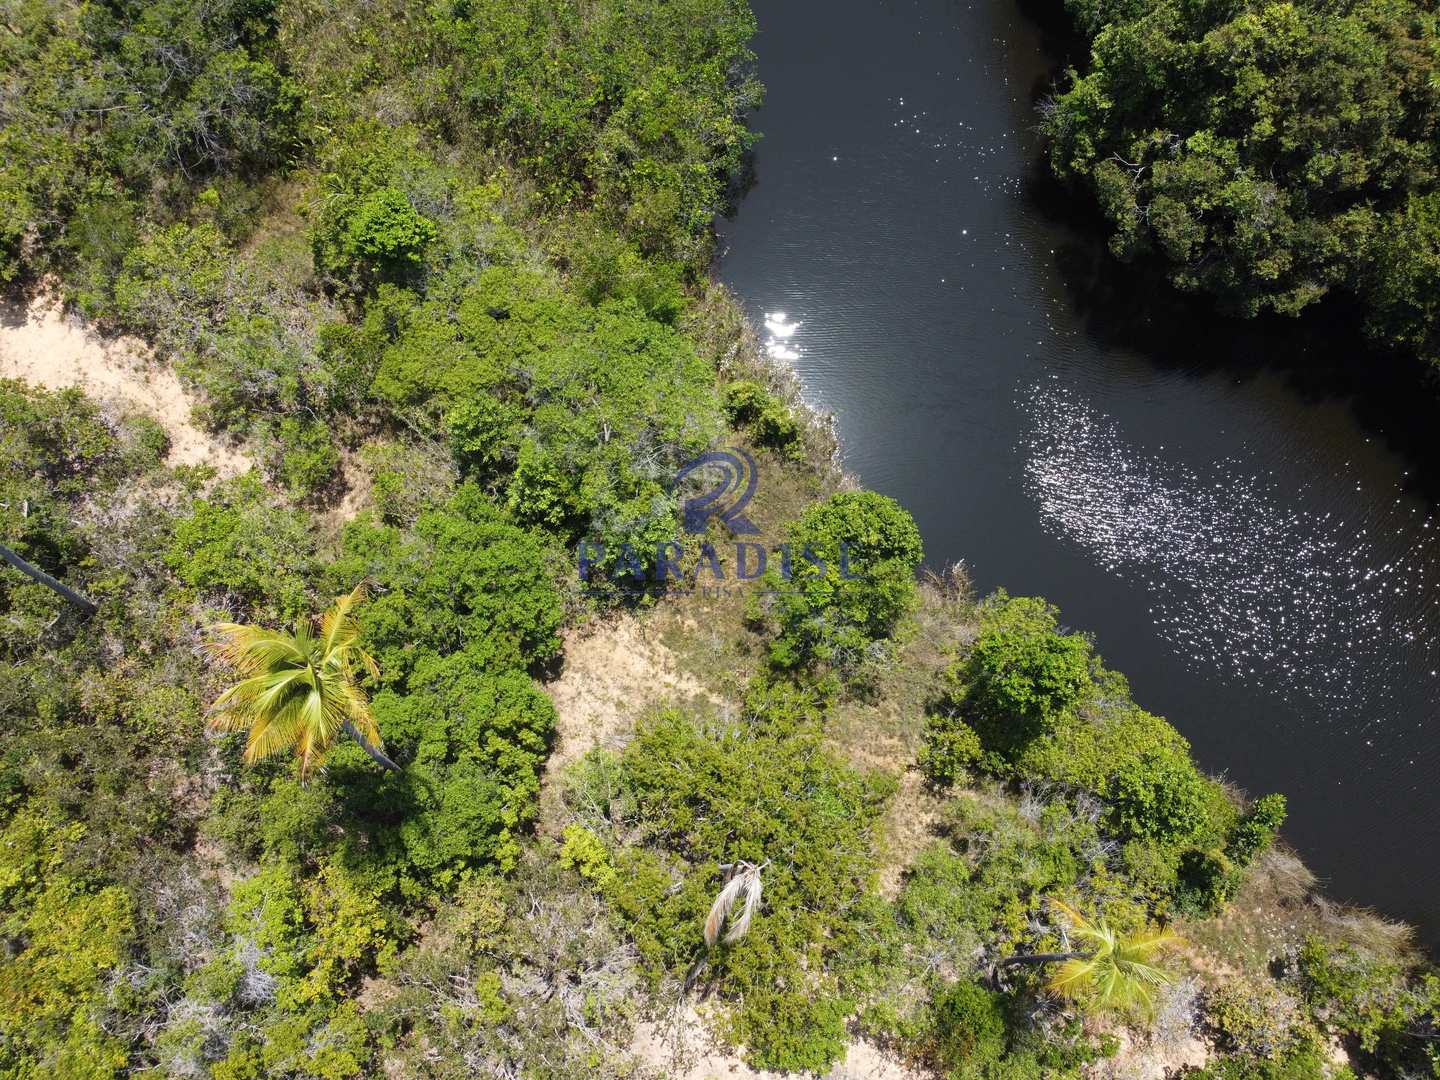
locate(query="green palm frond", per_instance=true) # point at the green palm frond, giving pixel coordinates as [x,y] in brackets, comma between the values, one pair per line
[1118,972]
[298,690]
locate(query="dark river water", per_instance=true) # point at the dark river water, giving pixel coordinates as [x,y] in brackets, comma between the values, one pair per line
[1248,542]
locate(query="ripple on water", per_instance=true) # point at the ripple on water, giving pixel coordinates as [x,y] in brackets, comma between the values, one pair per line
[1328,609]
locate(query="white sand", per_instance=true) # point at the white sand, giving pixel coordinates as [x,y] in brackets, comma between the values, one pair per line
[40,345]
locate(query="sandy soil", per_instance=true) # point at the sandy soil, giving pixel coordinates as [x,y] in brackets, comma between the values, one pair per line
[41,345]
[614,673]
[680,1048]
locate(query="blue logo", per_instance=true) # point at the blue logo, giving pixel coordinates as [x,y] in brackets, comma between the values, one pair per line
[738,477]
[671,563]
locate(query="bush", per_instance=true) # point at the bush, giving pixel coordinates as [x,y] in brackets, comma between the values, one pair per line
[406,479]
[749,404]
[1029,703]
[714,796]
[558,404]
[472,740]
[966,1029]
[379,234]
[852,562]
[235,541]
[147,443]
[1022,676]
[1253,1017]
[951,748]
[1162,798]
[466,577]
[1255,832]
[304,457]
[1372,1000]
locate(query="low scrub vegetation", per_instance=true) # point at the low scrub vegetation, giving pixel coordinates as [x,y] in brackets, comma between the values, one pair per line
[444,267]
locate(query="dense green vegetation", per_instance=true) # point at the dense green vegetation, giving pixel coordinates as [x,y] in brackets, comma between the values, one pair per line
[1271,154]
[445,266]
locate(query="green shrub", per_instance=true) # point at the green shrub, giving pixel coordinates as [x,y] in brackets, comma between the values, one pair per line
[304,457]
[749,404]
[1022,676]
[581,415]
[1253,1017]
[1161,798]
[235,541]
[951,748]
[604,267]
[966,1030]
[378,233]
[68,937]
[147,443]
[99,236]
[714,796]
[406,479]
[1255,832]
[852,564]
[1373,1000]
[466,577]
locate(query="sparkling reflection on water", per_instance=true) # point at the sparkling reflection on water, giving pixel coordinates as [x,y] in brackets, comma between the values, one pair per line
[1234,536]
[1246,580]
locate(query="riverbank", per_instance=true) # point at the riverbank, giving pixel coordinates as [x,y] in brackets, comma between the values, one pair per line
[1251,540]
[497,794]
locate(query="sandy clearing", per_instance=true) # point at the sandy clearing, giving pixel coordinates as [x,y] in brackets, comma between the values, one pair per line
[614,673]
[41,345]
[682,1048]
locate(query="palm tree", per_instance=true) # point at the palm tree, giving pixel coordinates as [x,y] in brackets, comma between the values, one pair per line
[1114,973]
[733,911]
[298,692]
[36,574]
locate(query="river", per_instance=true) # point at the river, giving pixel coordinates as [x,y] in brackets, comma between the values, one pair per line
[1247,540]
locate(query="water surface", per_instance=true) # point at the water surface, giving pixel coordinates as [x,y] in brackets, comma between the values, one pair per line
[1244,539]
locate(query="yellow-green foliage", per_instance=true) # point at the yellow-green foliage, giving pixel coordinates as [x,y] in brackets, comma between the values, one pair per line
[585,853]
[70,937]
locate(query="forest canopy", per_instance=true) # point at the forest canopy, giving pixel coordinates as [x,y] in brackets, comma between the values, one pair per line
[1270,154]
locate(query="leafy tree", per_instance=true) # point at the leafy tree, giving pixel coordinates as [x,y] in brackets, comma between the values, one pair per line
[299,690]
[852,562]
[1270,154]
[1022,675]
[379,232]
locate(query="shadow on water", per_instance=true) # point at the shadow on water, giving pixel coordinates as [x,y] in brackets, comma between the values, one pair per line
[1323,355]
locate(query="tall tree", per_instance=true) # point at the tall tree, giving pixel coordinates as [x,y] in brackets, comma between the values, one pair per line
[299,690]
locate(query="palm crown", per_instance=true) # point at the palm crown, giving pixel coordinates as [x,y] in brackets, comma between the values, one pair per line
[298,690]
[1116,972]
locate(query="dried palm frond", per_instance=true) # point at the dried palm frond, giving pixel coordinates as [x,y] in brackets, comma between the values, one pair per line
[743,888]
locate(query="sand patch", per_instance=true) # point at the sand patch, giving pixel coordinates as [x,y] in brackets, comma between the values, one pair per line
[615,672]
[42,346]
[680,1047]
